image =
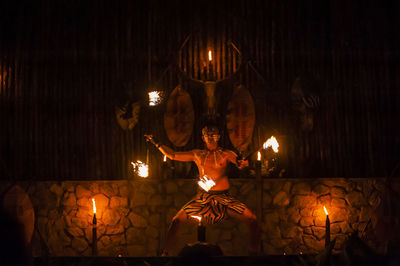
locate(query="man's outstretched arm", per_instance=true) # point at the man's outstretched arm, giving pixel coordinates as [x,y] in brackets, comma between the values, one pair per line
[184,156]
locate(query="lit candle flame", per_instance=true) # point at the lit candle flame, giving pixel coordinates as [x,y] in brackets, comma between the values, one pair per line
[141,168]
[209,55]
[326,211]
[258,156]
[198,218]
[154,98]
[165,158]
[94,206]
[271,142]
[206,183]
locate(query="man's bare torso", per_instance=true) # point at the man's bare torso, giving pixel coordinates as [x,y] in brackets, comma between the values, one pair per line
[213,163]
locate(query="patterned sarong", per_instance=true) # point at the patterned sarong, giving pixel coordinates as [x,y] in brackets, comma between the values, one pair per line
[212,206]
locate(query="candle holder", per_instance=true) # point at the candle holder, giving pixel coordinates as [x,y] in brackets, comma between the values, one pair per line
[94,235]
[201,232]
[327,229]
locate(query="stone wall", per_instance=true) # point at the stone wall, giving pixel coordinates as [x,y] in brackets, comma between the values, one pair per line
[134,215]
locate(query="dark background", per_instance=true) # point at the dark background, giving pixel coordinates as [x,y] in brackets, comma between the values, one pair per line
[65,65]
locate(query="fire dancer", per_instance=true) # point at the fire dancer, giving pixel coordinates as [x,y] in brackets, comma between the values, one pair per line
[215,204]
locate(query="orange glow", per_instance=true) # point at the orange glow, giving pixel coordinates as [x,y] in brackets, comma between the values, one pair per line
[165,158]
[198,218]
[258,156]
[209,55]
[94,206]
[271,142]
[141,169]
[206,183]
[325,211]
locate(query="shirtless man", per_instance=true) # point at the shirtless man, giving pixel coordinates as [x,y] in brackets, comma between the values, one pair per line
[216,204]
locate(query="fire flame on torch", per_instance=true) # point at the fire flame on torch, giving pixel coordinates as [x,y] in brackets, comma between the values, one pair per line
[258,156]
[206,183]
[209,55]
[326,212]
[141,169]
[94,206]
[165,158]
[271,142]
[154,98]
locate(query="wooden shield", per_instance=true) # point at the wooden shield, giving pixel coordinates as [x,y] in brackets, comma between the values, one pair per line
[179,117]
[240,118]
[18,204]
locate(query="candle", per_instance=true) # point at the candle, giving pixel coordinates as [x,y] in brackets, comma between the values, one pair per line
[211,75]
[94,230]
[327,229]
[201,229]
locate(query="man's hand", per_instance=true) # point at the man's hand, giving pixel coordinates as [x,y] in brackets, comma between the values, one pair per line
[148,137]
[241,164]
[152,140]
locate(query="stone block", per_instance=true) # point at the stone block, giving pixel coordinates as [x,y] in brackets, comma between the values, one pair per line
[324,200]
[107,189]
[308,230]
[306,212]
[335,228]
[114,229]
[75,231]
[152,232]
[135,236]
[301,189]
[293,215]
[84,202]
[374,199]
[321,189]
[319,232]
[287,186]
[156,200]
[138,199]
[281,199]
[110,217]
[303,201]
[137,220]
[79,244]
[116,202]
[56,189]
[338,192]
[338,202]
[82,192]
[356,199]
[338,215]
[306,221]
[124,191]
[69,199]
[291,231]
[102,202]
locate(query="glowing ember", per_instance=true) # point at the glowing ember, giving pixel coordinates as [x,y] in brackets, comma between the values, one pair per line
[94,206]
[209,55]
[141,169]
[206,183]
[271,142]
[325,211]
[258,156]
[154,98]
[198,218]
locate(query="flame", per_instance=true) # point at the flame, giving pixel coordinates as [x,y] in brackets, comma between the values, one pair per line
[325,211]
[165,158]
[209,55]
[206,183]
[258,156]
[154,98]
[141,169]
[198,218]
[94,206]
[271,142]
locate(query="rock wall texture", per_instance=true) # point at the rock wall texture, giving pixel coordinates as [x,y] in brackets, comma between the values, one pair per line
[133,216]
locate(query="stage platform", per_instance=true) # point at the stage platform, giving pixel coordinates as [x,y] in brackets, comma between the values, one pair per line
[287,260]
